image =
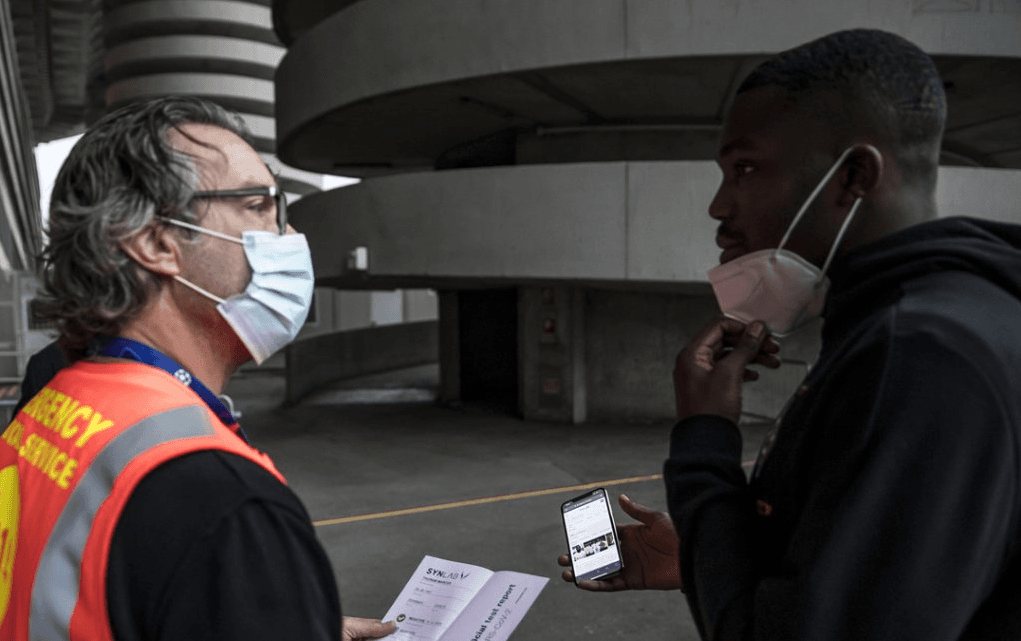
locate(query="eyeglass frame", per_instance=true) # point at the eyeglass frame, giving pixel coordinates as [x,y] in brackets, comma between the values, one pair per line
[273,191]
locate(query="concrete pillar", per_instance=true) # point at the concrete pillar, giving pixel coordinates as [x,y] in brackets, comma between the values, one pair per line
[579,367]
[450,349]
[551,354]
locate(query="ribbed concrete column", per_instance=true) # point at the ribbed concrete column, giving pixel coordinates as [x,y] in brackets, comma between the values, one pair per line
[222,50]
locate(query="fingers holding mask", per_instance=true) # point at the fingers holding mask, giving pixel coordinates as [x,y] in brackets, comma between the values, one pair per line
[734,331]
[710,370]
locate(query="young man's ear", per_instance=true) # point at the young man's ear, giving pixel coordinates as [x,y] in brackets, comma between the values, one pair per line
[156,249]
[865,166]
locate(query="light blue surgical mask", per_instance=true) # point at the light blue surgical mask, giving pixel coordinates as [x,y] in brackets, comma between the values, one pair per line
[274,306]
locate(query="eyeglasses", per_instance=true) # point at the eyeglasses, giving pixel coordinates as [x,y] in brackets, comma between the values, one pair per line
[273,191]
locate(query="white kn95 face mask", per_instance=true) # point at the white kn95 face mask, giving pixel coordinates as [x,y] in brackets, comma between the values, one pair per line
[272,309]
[777,286]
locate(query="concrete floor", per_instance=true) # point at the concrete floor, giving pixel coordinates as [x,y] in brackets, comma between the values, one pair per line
[347,459]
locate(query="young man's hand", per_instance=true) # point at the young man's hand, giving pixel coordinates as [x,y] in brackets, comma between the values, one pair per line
[649,549]
[708,373]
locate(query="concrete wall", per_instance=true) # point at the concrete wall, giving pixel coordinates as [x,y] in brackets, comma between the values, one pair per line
[612,221]
[420,304]
[332,310]
[639,222]
[351,309]
[387,307]
[602,355]
[336,310]
[979,192]
[320,360]
[632,340]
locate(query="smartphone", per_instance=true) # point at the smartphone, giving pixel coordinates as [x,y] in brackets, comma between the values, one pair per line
[591,536]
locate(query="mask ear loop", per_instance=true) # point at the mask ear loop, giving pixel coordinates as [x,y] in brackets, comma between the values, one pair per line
[840,236]
[198,289]
[201,230]
[812,196]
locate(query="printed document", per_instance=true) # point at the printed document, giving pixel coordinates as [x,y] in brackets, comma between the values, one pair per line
[447,600]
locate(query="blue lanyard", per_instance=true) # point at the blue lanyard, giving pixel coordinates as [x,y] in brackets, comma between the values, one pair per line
[121,347]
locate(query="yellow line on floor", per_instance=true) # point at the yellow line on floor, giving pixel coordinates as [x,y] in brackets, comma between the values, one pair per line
[487,499]
[493,499]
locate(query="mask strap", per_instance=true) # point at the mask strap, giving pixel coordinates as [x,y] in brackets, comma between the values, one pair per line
[201,230]
[199,290]
[840,235]
[811,197]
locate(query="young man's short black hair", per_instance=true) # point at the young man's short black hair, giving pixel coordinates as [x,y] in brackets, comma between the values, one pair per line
[863,79]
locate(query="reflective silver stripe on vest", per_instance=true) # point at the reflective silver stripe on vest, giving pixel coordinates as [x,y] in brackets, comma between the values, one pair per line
[58,577]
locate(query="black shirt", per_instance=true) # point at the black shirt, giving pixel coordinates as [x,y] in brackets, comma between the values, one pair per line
[887,506]
[212,546]
[41,369]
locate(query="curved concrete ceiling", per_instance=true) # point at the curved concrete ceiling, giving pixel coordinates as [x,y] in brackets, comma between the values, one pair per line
[378,87]
[376,47]
[662,109]
[292,19]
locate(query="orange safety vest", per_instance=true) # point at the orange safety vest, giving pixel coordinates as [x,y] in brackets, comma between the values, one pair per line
[69,462]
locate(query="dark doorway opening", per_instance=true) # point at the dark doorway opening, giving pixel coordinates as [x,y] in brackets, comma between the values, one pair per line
[488,334]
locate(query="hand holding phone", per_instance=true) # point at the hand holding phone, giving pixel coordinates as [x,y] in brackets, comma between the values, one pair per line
[591,536]
[650,551]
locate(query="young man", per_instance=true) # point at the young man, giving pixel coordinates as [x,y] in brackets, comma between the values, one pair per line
[131,505]
[885,503]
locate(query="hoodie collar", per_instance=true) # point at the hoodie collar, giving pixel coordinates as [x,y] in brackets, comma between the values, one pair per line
[870,274]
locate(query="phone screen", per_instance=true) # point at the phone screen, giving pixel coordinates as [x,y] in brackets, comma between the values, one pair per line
[591,536]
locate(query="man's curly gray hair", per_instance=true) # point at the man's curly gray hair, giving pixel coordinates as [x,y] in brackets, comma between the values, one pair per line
[116,179]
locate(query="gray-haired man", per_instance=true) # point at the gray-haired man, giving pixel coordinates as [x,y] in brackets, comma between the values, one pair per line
[137,507]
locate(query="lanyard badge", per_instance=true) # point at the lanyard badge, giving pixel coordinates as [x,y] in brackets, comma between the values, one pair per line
[121,347]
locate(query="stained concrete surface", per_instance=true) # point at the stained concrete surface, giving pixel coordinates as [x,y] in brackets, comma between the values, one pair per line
[347,459]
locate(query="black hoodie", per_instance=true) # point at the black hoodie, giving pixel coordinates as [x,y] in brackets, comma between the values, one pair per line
[889,505]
